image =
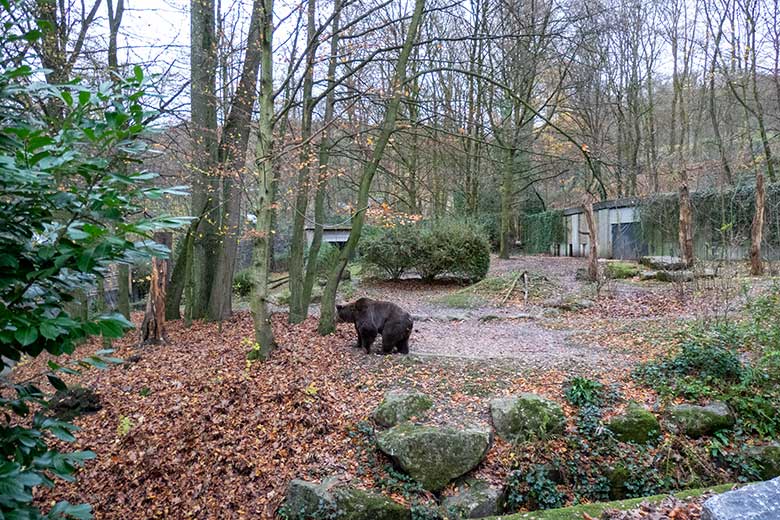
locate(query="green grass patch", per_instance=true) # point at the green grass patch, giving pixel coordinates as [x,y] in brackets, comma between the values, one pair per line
[461,300]
[596,509]
[621,270]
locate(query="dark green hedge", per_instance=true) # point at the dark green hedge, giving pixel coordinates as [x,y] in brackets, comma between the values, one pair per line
[541,230]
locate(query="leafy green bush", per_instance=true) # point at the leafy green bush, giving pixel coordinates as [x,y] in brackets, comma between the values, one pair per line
[67,214]
[581,391]
[533,489]
[455,248]
[242,282]
[393,251]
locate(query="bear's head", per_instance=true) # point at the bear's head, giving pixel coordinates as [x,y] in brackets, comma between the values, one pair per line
[345,313]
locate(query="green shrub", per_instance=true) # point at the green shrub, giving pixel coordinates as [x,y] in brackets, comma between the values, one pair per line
[454,248]
[242,282]
[327,258]
[393,251]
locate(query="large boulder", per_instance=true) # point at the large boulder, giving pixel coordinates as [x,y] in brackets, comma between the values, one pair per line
[759,501]
[330,499]
[636,425]
[696,421]
[663,263]
[766,459]
[401,405]
[433,456]
[674,276]
[476,499]
[526,417]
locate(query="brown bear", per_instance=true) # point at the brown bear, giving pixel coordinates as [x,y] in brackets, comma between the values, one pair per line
[373,317]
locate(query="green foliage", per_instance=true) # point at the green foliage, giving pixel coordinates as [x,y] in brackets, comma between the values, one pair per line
[124,426]
[456,248]
[720,218]
[393,250]
[533,489]
[327,258]
[621,270]
[541,230]
[68,211]
[242,282]
[581,391]
[447,247]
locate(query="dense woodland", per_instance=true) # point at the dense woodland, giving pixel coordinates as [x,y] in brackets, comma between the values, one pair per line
[207,158]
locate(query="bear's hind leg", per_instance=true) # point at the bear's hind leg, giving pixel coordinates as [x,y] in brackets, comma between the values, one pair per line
[367,336]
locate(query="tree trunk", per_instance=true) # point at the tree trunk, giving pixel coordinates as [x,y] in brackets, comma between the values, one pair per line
[264,336]
[123,290]
[685,232]
[507,183]
[328,307]
[324,160]
[232,158]
[205,184]
[298,240]
[153,326]
[593,243]
[757,230]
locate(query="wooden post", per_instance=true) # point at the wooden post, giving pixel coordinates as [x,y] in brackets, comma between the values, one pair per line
[153,327]
[757,230]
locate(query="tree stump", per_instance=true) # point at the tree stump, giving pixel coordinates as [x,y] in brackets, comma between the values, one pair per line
[153,326]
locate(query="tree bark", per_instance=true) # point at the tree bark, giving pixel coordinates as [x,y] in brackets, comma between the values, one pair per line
[507,185]
[328,307]
[593,242]
[123,290]
[205,184]
[264,336]
[685,232]
[324,159]
[757,229]
[153,326]
[298,240]
[232,158]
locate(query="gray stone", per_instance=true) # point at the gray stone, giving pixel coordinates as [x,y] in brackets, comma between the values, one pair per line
[434,456]
[674,276]
[705,273]
[696,421]
[401,405]
[636,425]
[526,417]
[330,499]
[759,501]
[571,304]
[766,459]
[648,275]
[663,263]
[477,499]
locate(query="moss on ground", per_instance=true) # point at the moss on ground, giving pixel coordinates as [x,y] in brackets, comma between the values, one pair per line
[595,510]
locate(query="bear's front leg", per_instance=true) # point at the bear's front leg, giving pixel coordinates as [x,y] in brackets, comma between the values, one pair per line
[360,338]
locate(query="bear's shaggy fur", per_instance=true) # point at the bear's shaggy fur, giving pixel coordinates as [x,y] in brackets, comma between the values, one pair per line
[373,317]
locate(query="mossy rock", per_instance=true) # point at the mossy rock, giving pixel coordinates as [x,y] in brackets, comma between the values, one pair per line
[766,459]
[621,270]
[434,456]
[696,421]
[617,476]
[475,499]
[526,417]
[401,405]
[307,500]
[674,276]
[636,425]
